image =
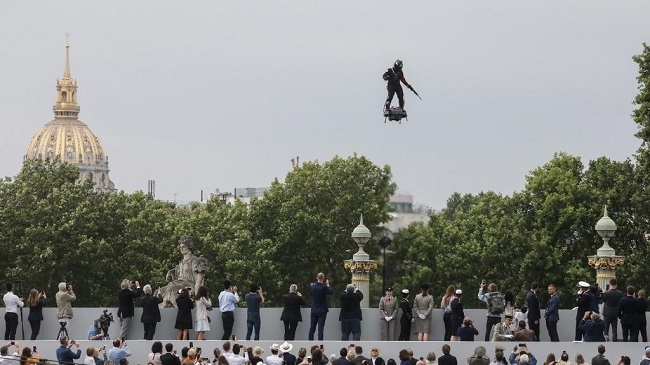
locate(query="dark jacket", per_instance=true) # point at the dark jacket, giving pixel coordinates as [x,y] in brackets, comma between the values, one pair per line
[150,309]
[359,359]
[351,306]
[67,356]
[552,312]
[467,333]
[597,360]
[583,302]
[627,308]
[610,302]
[170,359]
[593,330]
[341,361]
[36,311]
[641,308]
[289,359]
[125,299]
[532,302]
[319,293]
[291,311]
[457,312]
[444,360]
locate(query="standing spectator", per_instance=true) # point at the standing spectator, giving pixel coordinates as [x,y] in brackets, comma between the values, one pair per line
[358,355]
[291,313]
[375,359]
[96,352]
[564,359]
[404,357]
[343,360]
[468,331]
[319,292]
[388,315]
[253,320]
[592,327]
[623,360]
[183,324]
[156,353]
[119,351]
[12,303]
[257,356]
[129,290]
[495,303]
[523,334]
[610,309]
[503,331]
[274,358]
[447,358]
[627,312]
[169,358]
[150,311]
[285,351]
[580,360]
[478,358]
[457,314]
[521,355]
[600,359]
[28,357]
[510,306]
[534,315]
[583,303]
[227,300]
[36,302]
[64,298]
[445,305]
[422,306]
[552,313]
[202,303]
[237,357]
[641,319]
[407,317]
[64,354]
[350,315]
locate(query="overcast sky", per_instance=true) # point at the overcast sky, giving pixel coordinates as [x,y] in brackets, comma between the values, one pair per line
[222,94]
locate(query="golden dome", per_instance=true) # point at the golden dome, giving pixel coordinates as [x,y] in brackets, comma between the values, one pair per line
[69,139]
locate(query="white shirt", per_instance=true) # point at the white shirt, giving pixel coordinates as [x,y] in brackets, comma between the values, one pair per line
[12,302]
[236,360]
[274,360]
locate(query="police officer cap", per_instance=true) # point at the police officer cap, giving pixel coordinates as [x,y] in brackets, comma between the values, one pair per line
[583,284]
[405,291]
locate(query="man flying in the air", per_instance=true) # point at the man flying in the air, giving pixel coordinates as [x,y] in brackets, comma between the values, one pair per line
[393,77]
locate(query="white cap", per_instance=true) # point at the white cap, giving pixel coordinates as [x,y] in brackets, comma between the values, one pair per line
[583,284]
[405,291]
[459,292]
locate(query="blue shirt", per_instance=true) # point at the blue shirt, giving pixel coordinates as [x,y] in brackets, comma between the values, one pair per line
[227,301]
[93,331]
[66,356]
[253,301]
[116,354]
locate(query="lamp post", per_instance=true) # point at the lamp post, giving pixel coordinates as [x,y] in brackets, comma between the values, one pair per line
[605,260]
[360,266]
[384,242]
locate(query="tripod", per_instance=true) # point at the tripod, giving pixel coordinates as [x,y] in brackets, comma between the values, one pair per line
[63,331]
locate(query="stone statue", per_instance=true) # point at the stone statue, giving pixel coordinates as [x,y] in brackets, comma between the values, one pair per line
[189,273]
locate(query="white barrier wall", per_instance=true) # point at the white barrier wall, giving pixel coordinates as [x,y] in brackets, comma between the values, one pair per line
[272,331]
[272,328]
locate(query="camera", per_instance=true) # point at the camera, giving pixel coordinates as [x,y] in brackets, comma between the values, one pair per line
[104,321]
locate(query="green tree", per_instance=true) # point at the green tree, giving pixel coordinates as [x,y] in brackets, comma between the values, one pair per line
[309,218]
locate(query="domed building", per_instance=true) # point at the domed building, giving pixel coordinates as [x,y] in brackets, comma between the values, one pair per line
[70,139]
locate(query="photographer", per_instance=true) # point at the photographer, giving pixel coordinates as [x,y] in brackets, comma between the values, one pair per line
[12,302]
[522,356]
[36,302]
[129,290]
[468,331]
[64,353]
[119,351]
[227,300]
[95,331]
[64,298]
[150,311]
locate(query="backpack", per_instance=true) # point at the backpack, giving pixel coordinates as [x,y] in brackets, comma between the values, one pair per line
[496,303]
